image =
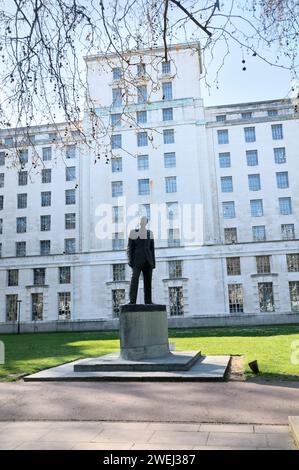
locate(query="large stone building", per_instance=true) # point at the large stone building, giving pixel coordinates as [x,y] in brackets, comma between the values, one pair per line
[220,186]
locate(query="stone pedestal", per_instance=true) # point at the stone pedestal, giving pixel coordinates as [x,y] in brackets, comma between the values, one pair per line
[143,332]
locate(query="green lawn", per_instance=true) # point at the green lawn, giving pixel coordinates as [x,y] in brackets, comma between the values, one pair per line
[270,345]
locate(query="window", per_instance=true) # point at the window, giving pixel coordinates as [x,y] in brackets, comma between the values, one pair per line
[221,118]
[256,207]
[70,151]
[117,97]
[47,154]
[119,272]
[228,209]
[226,184]
[143,187]
[170,184]
[70,173]
[141,117]
[70,196]
[294,295]
[45,247]
[22,201]
[21,224]
[45,223]
[118,299]
[141,70]
[224,160]
[166,67]
[23,156]
[117,214]
[282,179]
[46,198]
[233,266]
[117,188]
[176,301]
[20,248]
[175,269]
[64,275]
[169,160]
[116,164]
[168,136]
[13,277]
[2,158]
[251,157]
[116,73]
[1,180]
[293,263]
[263,264]
[167,91]
[37,305]
[230,235]
[142,162]
[173,237]
[118,241]
[277,132]
[259,233]
[116,141]
[288,231]
[70,221]
[1,226]
[141,94]
[39,276]
[222,135]
[254,182]
[172,210]
[285,205]
[266,297]
[64,305]
[46,175]
[235,298]
[11,307]
[69,245]
[272,112]
[280,155]
[142,139]
[23,177]
[0,250]
[145,211]
[249,133]
[8,141]
[116,119]
[247,115]
[167,114]
[1,202]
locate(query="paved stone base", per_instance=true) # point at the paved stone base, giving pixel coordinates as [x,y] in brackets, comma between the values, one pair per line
[205,368]
[294,428]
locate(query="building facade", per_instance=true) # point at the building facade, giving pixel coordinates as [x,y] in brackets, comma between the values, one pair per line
[219,186]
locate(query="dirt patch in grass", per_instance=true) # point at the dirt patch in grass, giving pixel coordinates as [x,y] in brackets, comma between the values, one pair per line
[236,371]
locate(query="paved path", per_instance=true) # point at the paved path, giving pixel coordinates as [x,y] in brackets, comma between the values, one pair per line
[91,435]
[228,402]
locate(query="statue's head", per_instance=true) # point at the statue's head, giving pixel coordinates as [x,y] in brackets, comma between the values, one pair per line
[143,222]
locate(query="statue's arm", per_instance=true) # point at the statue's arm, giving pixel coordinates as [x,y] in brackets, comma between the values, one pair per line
[153,251]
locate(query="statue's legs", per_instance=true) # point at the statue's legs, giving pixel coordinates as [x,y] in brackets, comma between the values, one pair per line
[134,284]
[147,283]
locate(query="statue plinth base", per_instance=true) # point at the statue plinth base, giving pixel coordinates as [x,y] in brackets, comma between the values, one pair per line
[143,331]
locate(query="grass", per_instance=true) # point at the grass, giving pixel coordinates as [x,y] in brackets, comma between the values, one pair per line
[270,345]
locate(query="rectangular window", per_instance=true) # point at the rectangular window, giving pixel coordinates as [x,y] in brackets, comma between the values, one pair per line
[70,196]
[170,184]
[2,158]
[117,188]
[116,119]
[117,214]
[37,306]
[141,70]
[20,248]
[254,182]
[282,179]
[226,184]
[166,67]
[293,263]
[168,136]
[39,276]
[46,175]
[141,117]
[23,156]
[263,264]
[47,154]
[118,299]
[247,115]
[228,210]
[285,205]
[249,133]
[69,245]
[117,98]
[145,211]
[64,305]
[116,141]
[70,221]
[224,160]
[288,231]
[45,247]
[222,135]
[45,223]
[70,173]
[167,114]
[294,295]
[21,223]
[230,235]
[256,208]
[175,269]
[1,180]
[119,272]
[11,307]
[143,187]
[70,151]
[142,94]
[142,162]
[22,201]
[118,242]
[172,210]
[1,226]
[167,91]
[64,275]
[22,177]
[259,233]
[280,155]
[13,277]
[142,139]
[116,73]
[174,237]
[116,164]
[1,202]
[169,160]
[272,112]
[277,133]
[8,141]
[176,301]
[221,118]
[266,297]
[235,298]
[233,266]
[252,157]
[46,198]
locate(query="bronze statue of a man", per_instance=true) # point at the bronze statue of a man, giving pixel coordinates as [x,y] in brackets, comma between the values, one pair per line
[141,257]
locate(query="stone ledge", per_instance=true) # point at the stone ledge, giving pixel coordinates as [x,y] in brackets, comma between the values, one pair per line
[143,308]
